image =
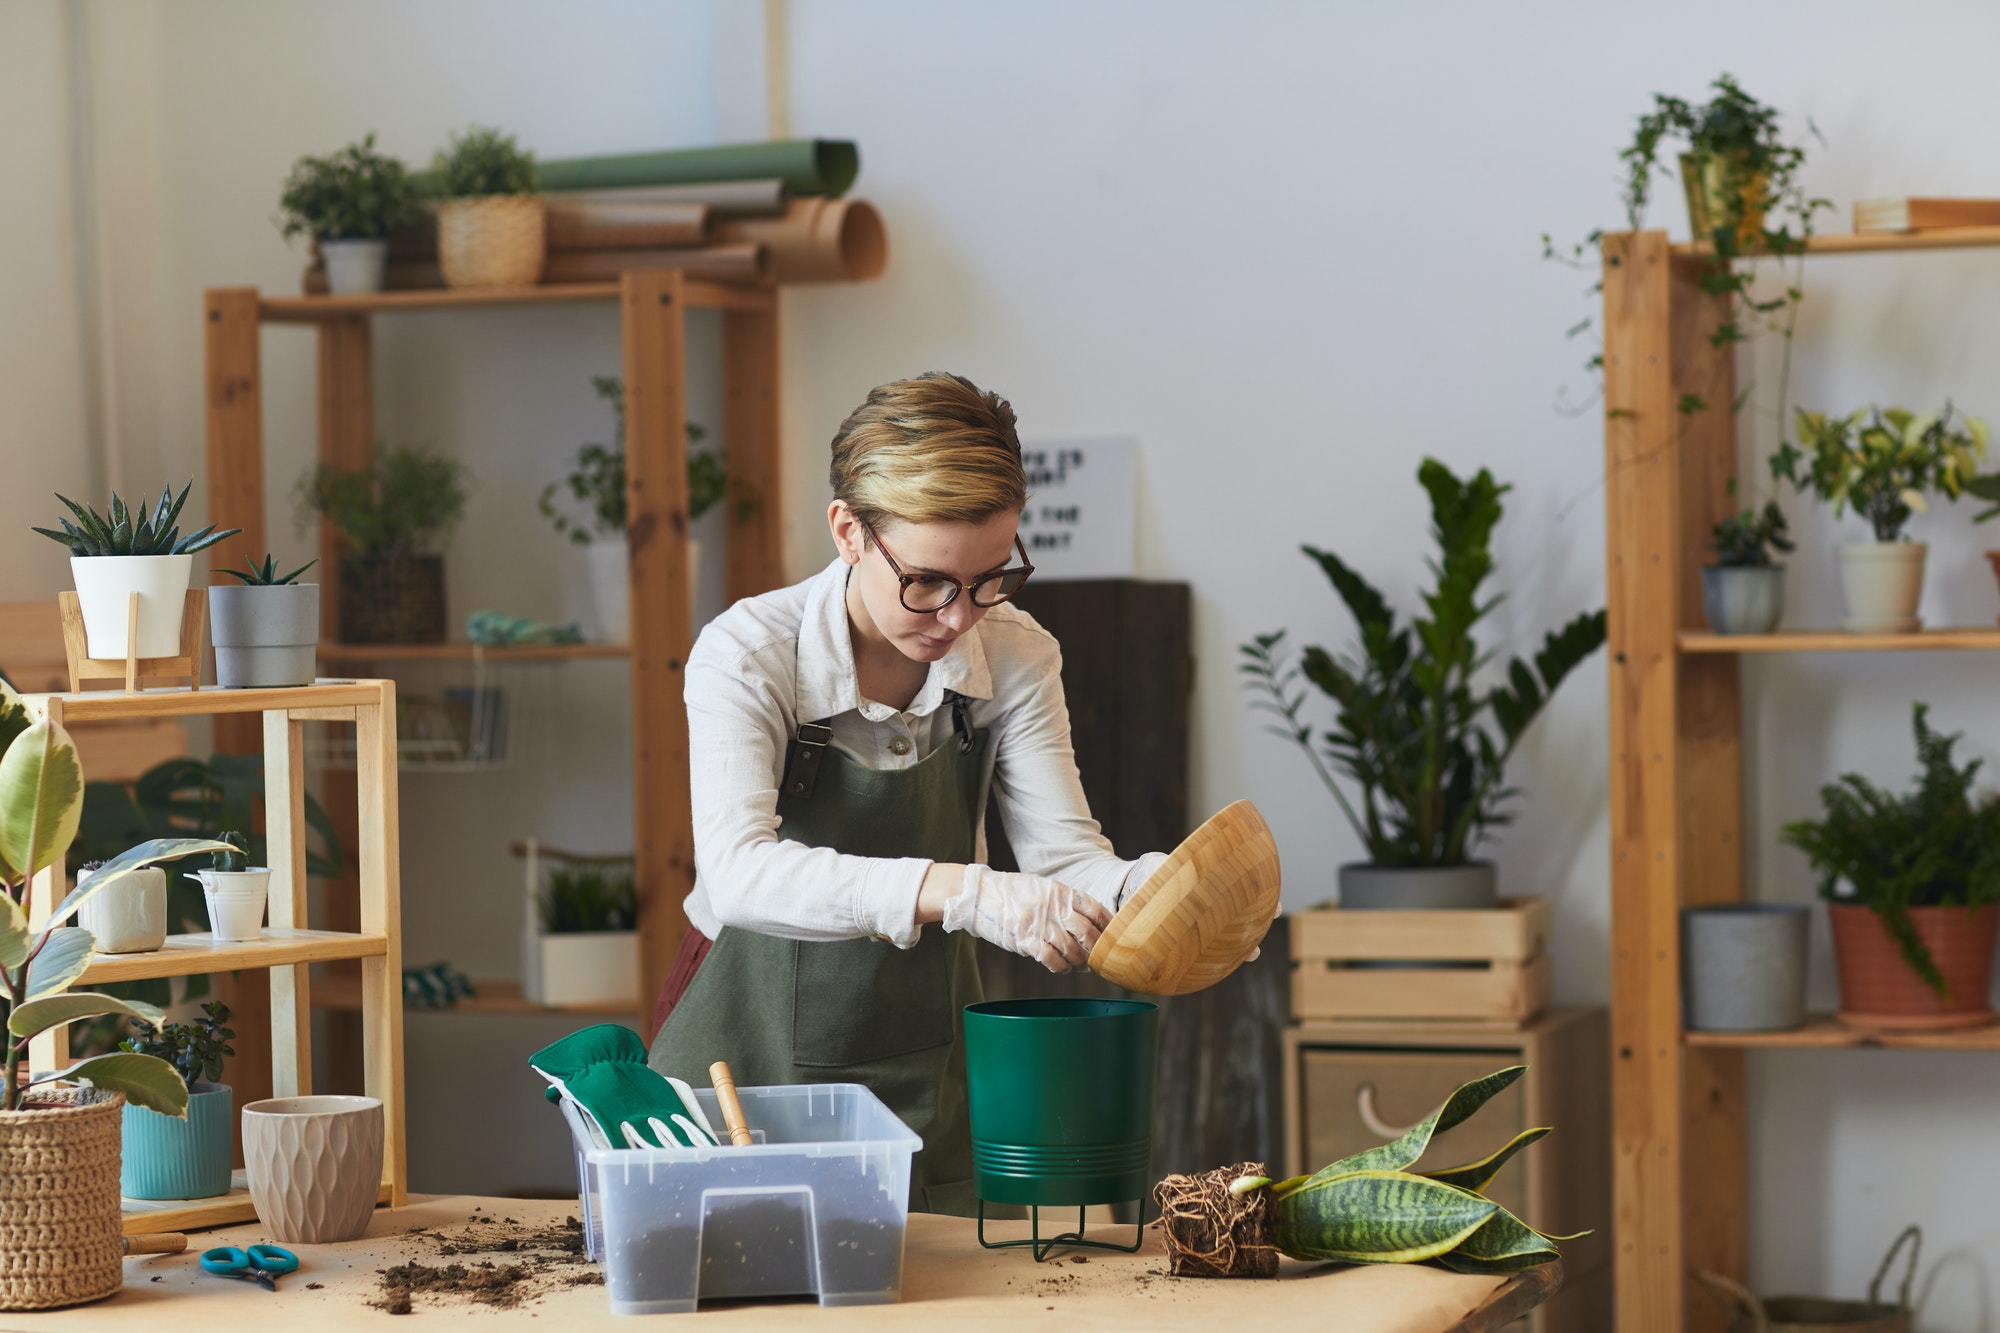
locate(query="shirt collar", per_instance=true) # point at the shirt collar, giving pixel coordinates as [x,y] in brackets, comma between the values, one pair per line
[827,686]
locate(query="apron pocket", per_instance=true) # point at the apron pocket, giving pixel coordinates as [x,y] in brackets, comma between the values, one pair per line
[858,1001]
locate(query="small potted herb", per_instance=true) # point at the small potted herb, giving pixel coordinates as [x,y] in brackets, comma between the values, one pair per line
[597,481]
[492,229]
[266,629]
[1879,462]
[186,1157]
[348,203]
[235,891]
[393,513]
[583,940]
[120,552]
[1912,884]
[1743,592]
[129,916]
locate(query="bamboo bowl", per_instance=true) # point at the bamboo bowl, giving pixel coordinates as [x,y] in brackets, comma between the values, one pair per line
[1201,914]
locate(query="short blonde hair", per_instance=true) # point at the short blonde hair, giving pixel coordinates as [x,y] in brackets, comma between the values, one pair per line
[934,449]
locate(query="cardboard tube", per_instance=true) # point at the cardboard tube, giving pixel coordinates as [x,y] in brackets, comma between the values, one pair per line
[588,225]
[765,198]
[818,240]
[743,261]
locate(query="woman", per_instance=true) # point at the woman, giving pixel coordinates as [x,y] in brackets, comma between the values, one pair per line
[844,735]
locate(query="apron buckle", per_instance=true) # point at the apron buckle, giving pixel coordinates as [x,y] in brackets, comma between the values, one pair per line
[802,758]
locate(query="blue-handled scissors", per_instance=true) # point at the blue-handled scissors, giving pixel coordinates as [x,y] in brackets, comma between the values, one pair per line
[260,1263]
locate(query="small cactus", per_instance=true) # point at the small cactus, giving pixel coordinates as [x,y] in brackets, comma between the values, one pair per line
[236,860]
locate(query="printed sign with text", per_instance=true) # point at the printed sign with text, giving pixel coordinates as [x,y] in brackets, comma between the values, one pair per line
[1079,523]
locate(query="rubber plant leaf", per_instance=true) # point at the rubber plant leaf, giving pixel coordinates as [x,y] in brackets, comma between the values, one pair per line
[1457,1108]
[129,863]
[146,1080]
[38,1016]
[61,961]
[14,935]
[14,716]
[1377,1217]
[41,799]
[1475,1176]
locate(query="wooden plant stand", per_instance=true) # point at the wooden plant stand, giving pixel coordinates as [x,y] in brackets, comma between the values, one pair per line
[286,948]
[133,670]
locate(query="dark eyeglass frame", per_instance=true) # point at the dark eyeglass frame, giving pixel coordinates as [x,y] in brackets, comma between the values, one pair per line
[1025,569]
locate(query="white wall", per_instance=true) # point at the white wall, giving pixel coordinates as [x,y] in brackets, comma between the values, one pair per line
[1292,247]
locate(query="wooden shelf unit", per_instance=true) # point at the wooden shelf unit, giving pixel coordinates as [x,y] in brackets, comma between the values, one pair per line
[1676,775]
[362,653]
[1870,243]
[652,308]
[287,948]
[1822,1032]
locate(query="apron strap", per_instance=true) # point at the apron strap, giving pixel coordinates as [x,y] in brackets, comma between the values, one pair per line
[961,719]
[802,758]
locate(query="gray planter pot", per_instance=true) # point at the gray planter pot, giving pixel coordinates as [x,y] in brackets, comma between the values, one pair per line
[1470,887]
[264,636]
[1743,599]
[1743,966]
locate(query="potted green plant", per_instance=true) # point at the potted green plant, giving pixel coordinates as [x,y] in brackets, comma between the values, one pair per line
[392,513]
[118,553]
[1880,461]
[596,480]
[1743,592]
[1421,738]
[59,1128]
[582,937]
[348,202]
[234,889]
[265,629]
[186,1156]
[1912,884]
[492,230]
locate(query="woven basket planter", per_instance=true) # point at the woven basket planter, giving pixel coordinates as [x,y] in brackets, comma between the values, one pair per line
[498,240]
[60,1230]
[395,598]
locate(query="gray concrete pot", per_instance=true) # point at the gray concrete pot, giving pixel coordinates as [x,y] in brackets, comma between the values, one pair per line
[264,636]
[1470,887]
[1743,599]
[1743,966]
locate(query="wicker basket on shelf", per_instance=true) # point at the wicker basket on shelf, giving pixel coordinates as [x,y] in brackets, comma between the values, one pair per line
[393,597]
[498,240]
[60,1227]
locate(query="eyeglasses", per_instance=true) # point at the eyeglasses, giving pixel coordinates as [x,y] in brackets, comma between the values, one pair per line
[925,593]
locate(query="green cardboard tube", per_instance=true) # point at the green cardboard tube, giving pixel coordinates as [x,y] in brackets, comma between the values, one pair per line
[808,166]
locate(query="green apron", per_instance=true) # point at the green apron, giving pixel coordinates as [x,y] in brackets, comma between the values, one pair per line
[856,1011]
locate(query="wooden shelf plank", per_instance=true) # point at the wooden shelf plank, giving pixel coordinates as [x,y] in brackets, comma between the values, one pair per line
[1823,1032]
[493,997]
[194,955]
[1865,243]
[147,1216]
[455,652]
[210,700]
[316,309]
[1837,641]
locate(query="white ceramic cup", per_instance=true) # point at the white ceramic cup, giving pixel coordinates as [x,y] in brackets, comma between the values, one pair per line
[235,900]
[315,1166]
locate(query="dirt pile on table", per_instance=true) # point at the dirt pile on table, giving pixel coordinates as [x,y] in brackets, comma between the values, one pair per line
[538,1260]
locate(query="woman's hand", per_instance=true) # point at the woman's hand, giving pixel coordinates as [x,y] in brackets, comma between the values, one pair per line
[1026,914]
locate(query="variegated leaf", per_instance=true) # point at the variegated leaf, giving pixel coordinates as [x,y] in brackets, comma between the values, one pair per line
[1475,1176]
[1407,1149]
[1377,1217]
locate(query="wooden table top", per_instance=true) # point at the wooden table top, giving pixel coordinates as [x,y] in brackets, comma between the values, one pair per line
[948,1282]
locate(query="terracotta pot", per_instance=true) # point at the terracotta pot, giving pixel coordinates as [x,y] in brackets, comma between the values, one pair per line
[1879,990]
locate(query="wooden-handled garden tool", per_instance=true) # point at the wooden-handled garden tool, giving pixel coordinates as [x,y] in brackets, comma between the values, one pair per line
[732,1109]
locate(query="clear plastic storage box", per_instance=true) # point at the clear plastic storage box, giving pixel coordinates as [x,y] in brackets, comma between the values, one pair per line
[817,1206]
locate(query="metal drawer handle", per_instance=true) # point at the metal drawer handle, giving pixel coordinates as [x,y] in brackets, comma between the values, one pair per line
[1364,1105]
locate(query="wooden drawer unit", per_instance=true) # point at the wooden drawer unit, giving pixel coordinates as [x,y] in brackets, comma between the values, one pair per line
[1354,1086]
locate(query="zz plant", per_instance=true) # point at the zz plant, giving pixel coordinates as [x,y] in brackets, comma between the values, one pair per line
[122,532]
[41,801]
[1420,738]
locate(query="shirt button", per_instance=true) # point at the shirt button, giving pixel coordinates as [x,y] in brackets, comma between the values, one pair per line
[900,745]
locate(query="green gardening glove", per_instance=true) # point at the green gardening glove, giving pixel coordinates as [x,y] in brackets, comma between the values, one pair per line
[602,1071]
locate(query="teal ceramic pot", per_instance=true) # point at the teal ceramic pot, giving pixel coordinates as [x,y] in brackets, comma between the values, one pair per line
[165,1158]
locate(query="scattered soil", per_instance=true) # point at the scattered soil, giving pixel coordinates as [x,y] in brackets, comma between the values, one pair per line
[538,1260]
[1210,1232]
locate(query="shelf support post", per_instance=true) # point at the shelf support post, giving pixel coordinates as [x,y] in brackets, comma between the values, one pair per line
[285,850]
[755,556]
[377,855]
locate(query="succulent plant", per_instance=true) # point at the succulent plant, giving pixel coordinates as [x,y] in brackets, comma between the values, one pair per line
[266,574]
[122,532]
[235,857]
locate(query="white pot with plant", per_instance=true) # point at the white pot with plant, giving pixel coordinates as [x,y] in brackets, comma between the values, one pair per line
[265,629]
[59,1128]
[492,228]
[1880,461]
[1422,740]
[582,929]
[116,554]
[235,891]
[1743,592]
[348,203]
[596,481]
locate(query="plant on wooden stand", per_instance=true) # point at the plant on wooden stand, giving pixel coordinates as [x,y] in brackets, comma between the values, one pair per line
[185,1157]
[67,1254]
[1880,461]
[349,202]
[392,513]
[1913,928]
[1743,592]
[597,481]
[492,227]
[1411,725]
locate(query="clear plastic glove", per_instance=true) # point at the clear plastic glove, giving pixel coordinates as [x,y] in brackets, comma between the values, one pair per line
[1026,914]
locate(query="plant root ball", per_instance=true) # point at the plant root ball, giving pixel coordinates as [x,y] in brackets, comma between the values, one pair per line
[1212,1233]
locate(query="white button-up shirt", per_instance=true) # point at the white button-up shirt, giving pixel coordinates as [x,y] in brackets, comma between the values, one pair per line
[771,662]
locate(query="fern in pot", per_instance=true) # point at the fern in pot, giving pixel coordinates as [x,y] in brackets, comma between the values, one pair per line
[265,627]
[348,203]
[1419,738]
[187,1156]
[492,227]
[393,513]
[1743,592]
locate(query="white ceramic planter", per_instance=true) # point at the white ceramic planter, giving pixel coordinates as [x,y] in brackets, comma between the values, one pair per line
[103,586]
[265,636]
[235,900]
[583,967]
[354,268]
[611,584]
[1881,584]
[128,916]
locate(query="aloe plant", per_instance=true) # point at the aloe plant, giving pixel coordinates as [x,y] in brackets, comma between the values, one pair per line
[151,531]
[1371,1209]
[41,802]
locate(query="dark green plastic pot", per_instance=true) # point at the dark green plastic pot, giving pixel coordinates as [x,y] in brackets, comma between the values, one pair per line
[1061,1097]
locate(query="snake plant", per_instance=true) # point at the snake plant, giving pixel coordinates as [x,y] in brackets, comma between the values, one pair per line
[1370,1209]
[122,532]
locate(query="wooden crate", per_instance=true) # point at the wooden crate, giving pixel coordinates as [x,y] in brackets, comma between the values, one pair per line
[1506,983]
